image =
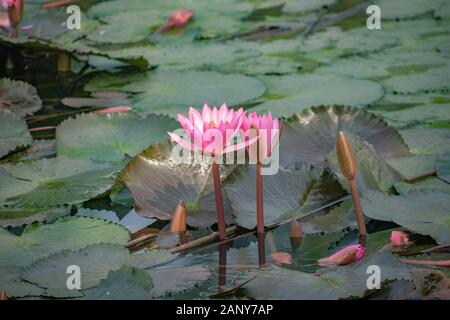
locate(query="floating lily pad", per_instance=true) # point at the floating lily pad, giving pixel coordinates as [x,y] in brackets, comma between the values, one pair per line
[139,26]
[428,183]
[173,280]
[157,183]
[425,212]
[429,113]
[431,284]
[401,9]
[40,149]
[311,135]
[443,169]
[288,193]
[172,92]
[305,5]
[431,80]
[13,131]
[427,140]
[39,241]
[338,219]
[95,262]
[15,287]
[338,282]
[413,166]
[132,221]
[16,217]
[110,137]
[293,93]
[54,182]
[128,283]
[19,97]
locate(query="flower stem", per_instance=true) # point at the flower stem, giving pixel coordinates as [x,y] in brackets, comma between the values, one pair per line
[358,209]
[219,202]
[259,199]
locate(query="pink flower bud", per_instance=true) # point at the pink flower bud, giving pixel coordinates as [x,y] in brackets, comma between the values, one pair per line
[349,254]
[399,238]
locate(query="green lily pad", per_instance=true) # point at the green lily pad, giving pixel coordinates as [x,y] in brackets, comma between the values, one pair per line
[111,137]
[401,9]
[14,133]
[293,93]
[39,241]
[174,280]
[429,183]
[427,140]
[429,113]
[95,262]
[15,287]
[413,166]
[157,183]
[288,193]
[16,217]
[311,135]
[172,92]
[425,212]
[339,282]
[339,218]
[40,149]
[434,79]
[443,169]
[54,182]
[139,26]
[19,97]
[385,64]
[128,283]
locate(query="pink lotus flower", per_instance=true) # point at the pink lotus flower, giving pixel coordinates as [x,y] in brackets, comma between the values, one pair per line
[178,18]
[399,238]
[211,131]
[268,130]
[349,254]
[7,3]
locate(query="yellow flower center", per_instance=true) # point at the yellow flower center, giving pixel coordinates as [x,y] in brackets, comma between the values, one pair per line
[212,124]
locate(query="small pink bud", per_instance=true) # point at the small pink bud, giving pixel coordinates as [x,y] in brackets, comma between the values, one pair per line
[114,110]
[280,258]
[399,238]
[349,254]
[178,18]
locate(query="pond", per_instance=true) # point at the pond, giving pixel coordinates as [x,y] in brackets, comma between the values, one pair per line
[94,205]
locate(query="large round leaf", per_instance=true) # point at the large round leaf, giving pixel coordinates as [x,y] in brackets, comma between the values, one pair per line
[338,282]
[39,240]
[288,193]
[293,93]
[19,97]
[157,183]
[311,135]
[16,217]
[425,212]
[172,92]
[53,182]
[13,132]
[111,137]
[406,8]
[95,262]
[127,283]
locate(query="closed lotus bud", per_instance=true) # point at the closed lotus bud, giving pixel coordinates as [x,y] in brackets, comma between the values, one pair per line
[15,10]
[3,295]
[296,229]
[346,156]
[399,238]
[280,258]
[349,254]
[179,218]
